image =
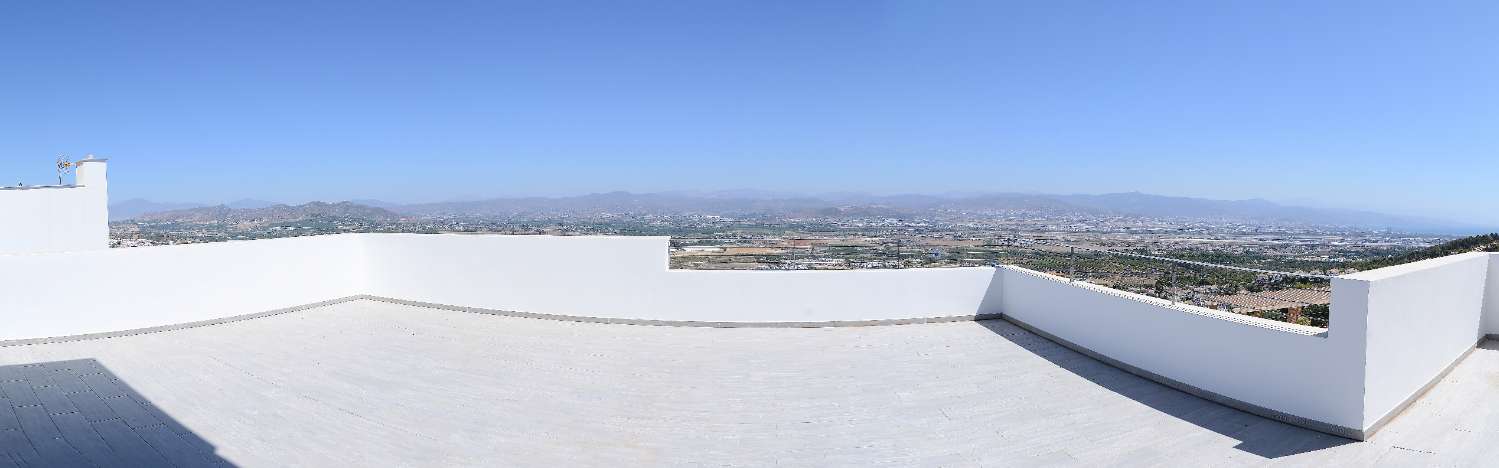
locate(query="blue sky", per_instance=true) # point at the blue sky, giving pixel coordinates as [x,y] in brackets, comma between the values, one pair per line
[1390,106]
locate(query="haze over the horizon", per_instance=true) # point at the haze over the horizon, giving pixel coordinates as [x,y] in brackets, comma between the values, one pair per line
[1381,106]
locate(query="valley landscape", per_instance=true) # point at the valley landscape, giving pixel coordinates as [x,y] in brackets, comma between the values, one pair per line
[1126,241]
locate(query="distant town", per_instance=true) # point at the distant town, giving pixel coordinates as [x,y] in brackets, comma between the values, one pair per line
[744,234]
[1112,247]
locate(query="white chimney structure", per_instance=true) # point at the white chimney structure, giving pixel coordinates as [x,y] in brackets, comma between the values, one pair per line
[57,218]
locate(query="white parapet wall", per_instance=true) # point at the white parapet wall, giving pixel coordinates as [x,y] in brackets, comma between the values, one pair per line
[111,290]
[1393,331]
[75,293]
[1491,300]
[1289,369]
[628,278]
[60,218]
[1420,319]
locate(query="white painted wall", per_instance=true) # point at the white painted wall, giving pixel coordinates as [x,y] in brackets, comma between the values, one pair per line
[627,277]
[1491,298]
[620,277]
[1307,376]
[121,289]
[1421,317]
[58,218]
[1392,330]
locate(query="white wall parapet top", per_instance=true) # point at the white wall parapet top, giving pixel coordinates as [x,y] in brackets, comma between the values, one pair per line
[57,218]
[1392,332]
[1491,299]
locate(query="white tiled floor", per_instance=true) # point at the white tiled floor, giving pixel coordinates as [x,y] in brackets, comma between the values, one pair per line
[376,384]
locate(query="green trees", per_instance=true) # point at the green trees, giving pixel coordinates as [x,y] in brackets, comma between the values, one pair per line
[1479,243]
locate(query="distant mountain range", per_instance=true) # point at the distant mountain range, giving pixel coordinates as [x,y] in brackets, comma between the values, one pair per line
[250,204]
[135,207]
[271,214]
[741,203]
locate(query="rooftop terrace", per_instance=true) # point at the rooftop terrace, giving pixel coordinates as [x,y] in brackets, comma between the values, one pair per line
[483,350]
[440,350]
[368,383]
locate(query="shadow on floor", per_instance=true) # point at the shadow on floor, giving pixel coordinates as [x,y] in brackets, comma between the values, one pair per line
[78,413]
[1256,435]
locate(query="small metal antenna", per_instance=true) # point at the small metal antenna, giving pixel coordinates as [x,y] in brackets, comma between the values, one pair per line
[63,167]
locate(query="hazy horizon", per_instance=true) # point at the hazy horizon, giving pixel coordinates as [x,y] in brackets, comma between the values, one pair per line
[745,192]
[1454,225]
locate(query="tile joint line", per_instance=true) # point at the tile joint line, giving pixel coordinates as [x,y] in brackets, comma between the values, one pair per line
[496,312]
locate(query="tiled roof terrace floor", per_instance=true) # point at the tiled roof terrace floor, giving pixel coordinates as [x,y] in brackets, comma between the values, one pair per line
[368,383]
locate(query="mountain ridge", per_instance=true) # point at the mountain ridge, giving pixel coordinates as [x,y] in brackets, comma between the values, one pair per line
[134,207]
[271,214]
[760,203]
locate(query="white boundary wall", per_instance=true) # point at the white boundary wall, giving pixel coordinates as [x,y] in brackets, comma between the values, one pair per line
[57,218]
[73,293]
[123,289]
[1420,319]
[1295,372]
[1393,330]
[628,277]
[1491,301]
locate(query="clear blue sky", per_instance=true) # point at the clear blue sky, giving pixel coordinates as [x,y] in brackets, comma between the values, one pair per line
[1390,106]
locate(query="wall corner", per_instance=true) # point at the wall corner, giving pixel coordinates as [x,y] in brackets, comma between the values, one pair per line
[1489,321]
[1348,335]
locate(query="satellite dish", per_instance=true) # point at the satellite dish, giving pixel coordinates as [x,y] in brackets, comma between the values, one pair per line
[64,167]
